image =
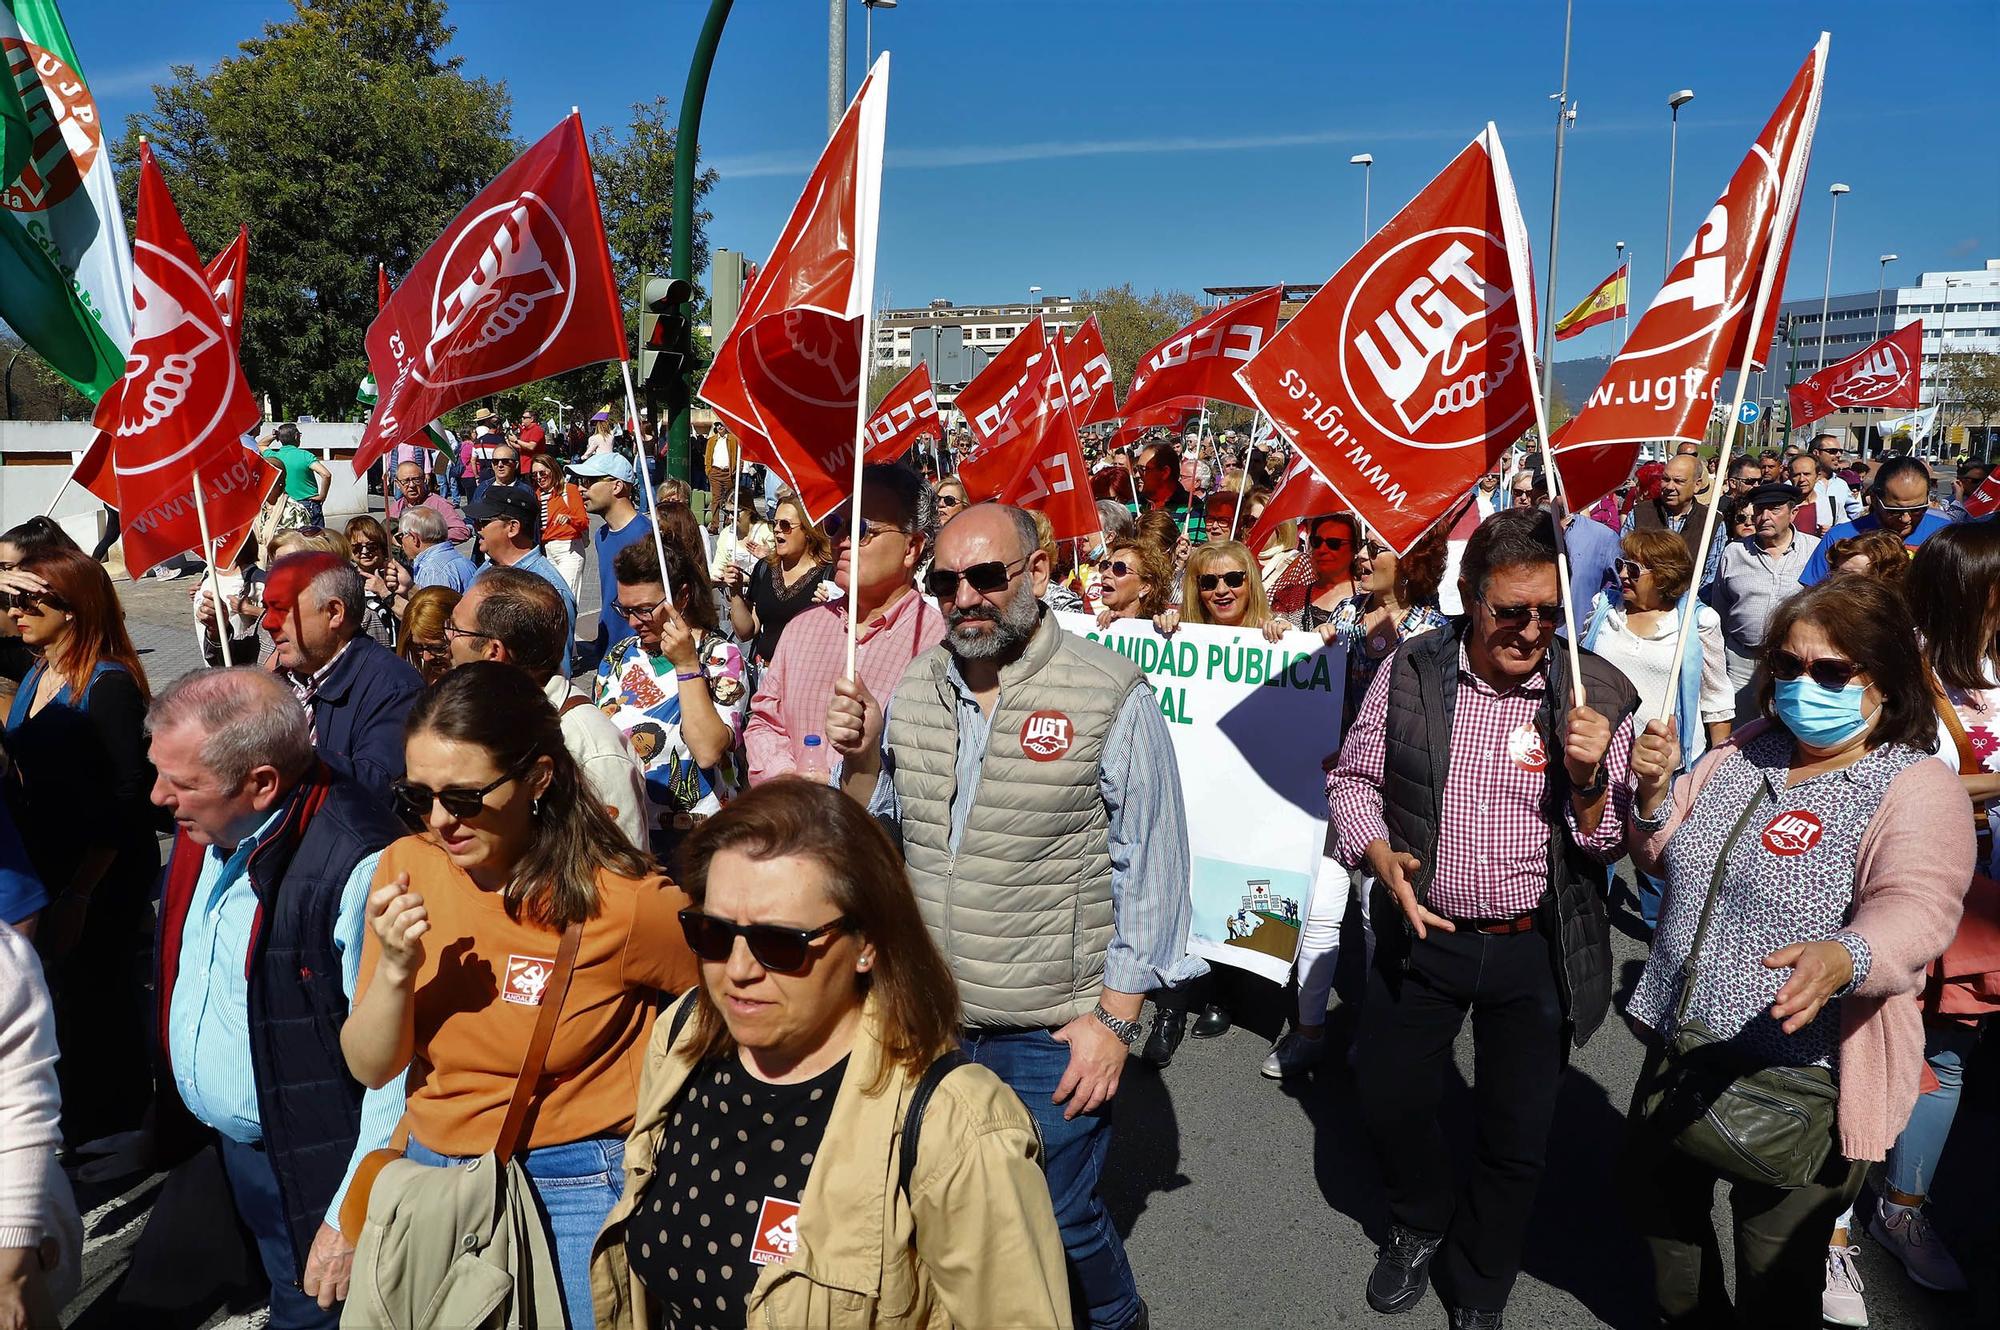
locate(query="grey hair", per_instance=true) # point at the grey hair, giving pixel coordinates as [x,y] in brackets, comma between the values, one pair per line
[1024,528]
[1115,519]
[342,583]
[426,524]
[247,718]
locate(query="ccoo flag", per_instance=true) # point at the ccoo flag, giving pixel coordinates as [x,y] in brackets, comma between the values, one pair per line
[907,413]
[1885,376]
[1087,374]
[1663,383]
[789,378]
[1025,449]
[517,288]
[1199,363]
[1408,373]
[65,266]
[1601,306]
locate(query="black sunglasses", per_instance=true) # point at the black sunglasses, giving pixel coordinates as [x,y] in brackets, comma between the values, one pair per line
[1517,616]
[950,501]
[29,602]
[775,947]
[414,801]
[1330,542]
[985,578]
[1209,581]
[1827,672]
[364,547]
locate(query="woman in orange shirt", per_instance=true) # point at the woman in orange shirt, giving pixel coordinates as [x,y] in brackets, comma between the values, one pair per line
[465,920]
[565,521]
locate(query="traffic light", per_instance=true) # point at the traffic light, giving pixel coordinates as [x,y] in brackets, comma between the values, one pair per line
[666,343]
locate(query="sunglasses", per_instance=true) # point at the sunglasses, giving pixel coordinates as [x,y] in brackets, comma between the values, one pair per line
[1827,672]
[1331,542]
[1902,509]
[634,613]
[1374,549]
[950,501]
[365,547]
[773,946]
[837,527]
[1517,616]
[985,578]
[784,526]
[1210,581]
[32,602]
[430,650]
[414,801]
[1631,568]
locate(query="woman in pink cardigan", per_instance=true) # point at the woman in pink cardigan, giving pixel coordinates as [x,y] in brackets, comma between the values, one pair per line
[1844,883]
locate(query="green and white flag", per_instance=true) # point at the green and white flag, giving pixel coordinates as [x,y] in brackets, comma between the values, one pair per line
[65,262]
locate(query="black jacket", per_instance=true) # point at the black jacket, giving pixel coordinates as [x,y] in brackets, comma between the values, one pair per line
[1423,699]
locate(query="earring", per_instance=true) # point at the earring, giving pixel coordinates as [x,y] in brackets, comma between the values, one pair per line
[535,806]
[864,962]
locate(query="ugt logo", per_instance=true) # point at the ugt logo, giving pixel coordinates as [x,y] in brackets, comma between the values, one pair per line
[1876,377]
[1792,833]
[509,278]
[1046,735]
[1421,346]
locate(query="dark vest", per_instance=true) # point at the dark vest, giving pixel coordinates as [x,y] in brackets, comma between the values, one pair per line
[1423,698]
[1650,516]
[308,1104]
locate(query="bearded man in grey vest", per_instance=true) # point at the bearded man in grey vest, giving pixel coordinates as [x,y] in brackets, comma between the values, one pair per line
[1032,780]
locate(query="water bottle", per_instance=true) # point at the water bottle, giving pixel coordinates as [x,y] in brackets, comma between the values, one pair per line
[813,764]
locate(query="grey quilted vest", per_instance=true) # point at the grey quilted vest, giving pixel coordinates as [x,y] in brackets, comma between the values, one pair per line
[1023,911]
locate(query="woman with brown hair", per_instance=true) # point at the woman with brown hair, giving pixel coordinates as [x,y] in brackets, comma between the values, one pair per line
[1816,864]
[368,551]
[1137,575]
[423,643]
[1312,588]
[805,1112]
[1877,554]
[784,585]
[76,732]
[513,867]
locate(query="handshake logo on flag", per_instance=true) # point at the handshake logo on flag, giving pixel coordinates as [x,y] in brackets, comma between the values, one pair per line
[485,296]
[1429,350]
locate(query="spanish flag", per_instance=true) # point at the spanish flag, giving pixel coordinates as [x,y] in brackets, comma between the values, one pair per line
[1604,304]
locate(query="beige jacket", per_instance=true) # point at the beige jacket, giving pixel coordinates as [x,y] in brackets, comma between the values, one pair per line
[975,1243]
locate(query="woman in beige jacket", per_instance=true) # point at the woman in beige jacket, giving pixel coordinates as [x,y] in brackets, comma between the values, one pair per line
[765,1183]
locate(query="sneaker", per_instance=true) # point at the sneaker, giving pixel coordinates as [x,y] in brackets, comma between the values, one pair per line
[1906,1234]
[1841,1304]
[1402,1270]
[1294,1055]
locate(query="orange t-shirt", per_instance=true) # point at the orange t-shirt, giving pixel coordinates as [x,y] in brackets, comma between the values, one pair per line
[479,993]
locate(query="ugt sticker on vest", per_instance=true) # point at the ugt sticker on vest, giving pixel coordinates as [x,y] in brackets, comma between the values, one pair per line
[777,1232]
[1046,735]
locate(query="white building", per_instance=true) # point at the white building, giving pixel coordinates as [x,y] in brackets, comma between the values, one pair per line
[984,328]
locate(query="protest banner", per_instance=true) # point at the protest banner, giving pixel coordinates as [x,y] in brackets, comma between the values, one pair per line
[1251,722]
[1882,376]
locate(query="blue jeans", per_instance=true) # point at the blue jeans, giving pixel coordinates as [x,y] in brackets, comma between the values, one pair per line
[255,1188]
[575,1187]
[1032,1063]
[1913,1159]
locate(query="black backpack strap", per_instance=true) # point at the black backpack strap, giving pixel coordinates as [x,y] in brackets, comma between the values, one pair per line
[683,1009]
[913,1117]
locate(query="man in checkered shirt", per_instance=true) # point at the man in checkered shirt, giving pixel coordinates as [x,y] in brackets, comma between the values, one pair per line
[1484,800]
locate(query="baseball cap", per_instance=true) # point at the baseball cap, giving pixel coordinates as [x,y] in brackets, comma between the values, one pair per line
[605,464]
[503,501]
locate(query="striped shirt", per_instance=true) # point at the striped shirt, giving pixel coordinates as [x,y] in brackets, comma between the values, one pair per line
[1493,844]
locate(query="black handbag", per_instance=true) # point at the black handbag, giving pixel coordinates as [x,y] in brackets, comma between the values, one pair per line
[1750,1123]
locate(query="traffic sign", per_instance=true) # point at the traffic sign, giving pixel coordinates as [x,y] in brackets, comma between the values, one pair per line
[1747,413]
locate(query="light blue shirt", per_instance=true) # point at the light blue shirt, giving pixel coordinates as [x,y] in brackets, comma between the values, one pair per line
[536,562]
[208,1016]
[443,564]
[1140,782]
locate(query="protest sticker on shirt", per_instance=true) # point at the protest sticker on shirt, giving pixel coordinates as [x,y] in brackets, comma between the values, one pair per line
[1045,736]
[527,976]
[1524,748]
[1792,833]
[1250,722]
[777,1232]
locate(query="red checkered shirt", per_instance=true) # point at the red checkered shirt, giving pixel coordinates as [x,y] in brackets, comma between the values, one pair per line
[1493,844]
[797,686]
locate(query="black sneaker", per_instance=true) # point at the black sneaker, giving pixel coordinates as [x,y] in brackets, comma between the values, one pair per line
[1472,1318]
[1169,1028]
[1402,1270]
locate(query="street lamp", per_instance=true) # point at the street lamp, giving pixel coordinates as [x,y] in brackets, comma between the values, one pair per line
[1826,290]
[1881,276]
[868,26]
[1366,161]
[1674,105]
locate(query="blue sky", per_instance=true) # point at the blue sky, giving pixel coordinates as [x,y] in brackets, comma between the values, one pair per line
[1187,143]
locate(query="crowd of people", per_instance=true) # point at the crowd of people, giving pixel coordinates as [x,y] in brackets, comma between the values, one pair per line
[673,972]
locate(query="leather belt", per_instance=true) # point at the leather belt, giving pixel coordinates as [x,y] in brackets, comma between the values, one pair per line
[1520,923]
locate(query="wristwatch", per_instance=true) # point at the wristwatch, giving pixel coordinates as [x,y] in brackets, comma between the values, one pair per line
[1127,1031]
[1598,783]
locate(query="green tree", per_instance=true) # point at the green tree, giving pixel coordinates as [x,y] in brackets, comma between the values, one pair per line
[1134,324]
[1971,381]
[345,136]
[33,391]
[881,381]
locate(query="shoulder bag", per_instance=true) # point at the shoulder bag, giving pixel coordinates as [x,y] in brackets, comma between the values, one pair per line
[354,1206]
[1766,1124]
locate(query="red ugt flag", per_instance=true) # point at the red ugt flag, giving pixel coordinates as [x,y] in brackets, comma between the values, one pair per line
[517,288]
[226,272]
[1087,375]
[1884,376]
[1199,363]
[1664,381]
[1412,368]
[182,406]
[791,375]
[907,414]
[1025,450]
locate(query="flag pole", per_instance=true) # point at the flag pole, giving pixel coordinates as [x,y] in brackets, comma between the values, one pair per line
[68,480]
[1187,514]
[854,506]
[735,494]
[214,578]
[1243,480]
[646,477]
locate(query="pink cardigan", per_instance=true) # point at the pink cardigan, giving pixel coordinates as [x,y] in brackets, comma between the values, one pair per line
[1910,879]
